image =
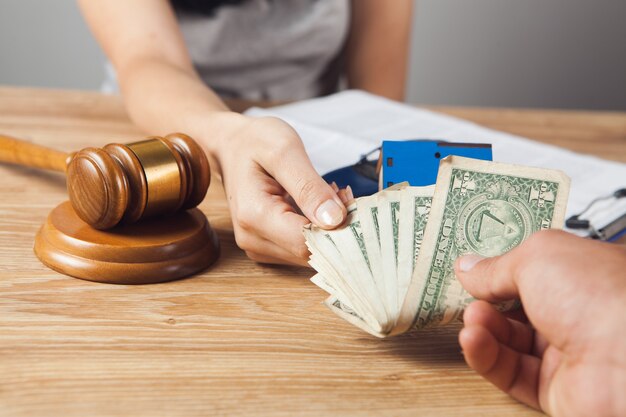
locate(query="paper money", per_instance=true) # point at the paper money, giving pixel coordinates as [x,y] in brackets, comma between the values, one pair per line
[388,202]
[342,263]
[389,268]
[415,209]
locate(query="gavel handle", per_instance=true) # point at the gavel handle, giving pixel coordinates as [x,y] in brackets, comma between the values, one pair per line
[21,152]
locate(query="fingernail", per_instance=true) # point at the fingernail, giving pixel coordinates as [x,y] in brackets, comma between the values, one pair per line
[329,213]
[334,186]
[343,196]
[349,193]
[467,262]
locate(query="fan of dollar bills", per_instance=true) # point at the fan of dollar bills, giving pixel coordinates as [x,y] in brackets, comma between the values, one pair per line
[390,267]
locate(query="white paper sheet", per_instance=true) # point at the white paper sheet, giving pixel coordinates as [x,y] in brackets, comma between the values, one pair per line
[338,129]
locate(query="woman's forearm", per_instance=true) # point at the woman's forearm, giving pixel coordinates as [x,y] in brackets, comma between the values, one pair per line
[162,98]
[161,89]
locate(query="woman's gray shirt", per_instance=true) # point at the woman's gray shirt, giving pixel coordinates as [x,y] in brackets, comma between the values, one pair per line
[269,49]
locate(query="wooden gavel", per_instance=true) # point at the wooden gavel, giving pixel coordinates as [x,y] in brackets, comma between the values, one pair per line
[123,183]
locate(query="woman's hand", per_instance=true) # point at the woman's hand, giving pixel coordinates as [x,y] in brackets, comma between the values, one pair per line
[262,161]
[571,359]
[265,170]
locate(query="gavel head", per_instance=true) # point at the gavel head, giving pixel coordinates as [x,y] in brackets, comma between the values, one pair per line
[124,183]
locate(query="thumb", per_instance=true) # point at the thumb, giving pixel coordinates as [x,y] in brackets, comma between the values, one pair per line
[490,279]
[317,200]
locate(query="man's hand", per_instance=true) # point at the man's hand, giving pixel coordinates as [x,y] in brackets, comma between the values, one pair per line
[570,359]
[266,170]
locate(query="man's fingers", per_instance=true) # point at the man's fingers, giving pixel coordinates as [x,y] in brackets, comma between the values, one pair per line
[549,272]
[540,345]
[551,362]
[511,333]
[491,279]
[517,314]
[513,372]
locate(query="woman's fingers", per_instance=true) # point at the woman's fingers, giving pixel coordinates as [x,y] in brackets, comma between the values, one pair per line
[511,371]
[290,165]
[511,333]
[261,214]
[267,229]
[264,179]
[265,251]
[265,259]
[283,228]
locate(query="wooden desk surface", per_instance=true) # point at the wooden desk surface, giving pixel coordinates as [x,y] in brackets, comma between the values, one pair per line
[239,339]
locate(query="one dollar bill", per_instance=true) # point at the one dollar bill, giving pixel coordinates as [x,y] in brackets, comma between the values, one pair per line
[478,207]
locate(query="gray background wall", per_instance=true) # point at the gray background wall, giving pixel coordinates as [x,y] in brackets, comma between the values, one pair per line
[47,44]
[516,53]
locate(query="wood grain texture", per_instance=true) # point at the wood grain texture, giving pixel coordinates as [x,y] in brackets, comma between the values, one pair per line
[239,340]
[98,187]
[21,152]
[151,251]
[196,167]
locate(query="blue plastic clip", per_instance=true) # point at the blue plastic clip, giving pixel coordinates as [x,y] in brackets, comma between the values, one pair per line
[418,161]
[415,161]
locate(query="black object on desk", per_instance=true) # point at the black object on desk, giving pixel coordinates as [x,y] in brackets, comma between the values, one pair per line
[608,228]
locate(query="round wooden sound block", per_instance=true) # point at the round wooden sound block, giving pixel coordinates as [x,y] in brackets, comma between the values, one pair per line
[153,250]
